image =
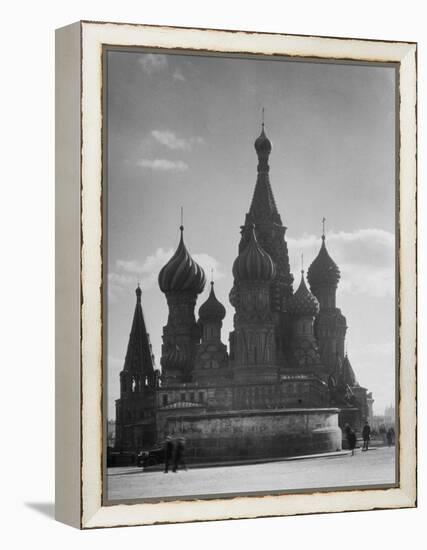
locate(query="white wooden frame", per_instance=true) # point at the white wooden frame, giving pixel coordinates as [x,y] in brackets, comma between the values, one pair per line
[79,273]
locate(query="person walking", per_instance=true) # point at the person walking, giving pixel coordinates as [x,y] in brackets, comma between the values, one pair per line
[168,452]
[390,436]
[366,434]
[351,440]
[179,459]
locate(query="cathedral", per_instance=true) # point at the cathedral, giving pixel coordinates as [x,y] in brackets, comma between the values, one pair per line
[283,385]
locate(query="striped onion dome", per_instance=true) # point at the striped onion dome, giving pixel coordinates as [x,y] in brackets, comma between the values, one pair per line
[212,309]
[182,273]
[303,302]
[253,263]
[176,358]
[323,270]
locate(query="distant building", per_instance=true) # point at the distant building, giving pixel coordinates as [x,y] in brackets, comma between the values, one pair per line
[111,433]
[390,416]
[283,385]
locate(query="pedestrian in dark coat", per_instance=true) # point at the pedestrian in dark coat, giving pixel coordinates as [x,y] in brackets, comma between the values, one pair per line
[351,439]
[390,434]
[366,434]
[168,452]
[179,459]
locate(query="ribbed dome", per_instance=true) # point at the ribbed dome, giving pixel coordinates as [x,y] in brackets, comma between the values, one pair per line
[175,359]
[182,273]
[303,302]
[263,145]
[212,309]
[323,270]
[253,263]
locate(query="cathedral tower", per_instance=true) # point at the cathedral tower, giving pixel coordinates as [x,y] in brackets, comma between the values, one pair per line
[181,280]
[270,235]
[303,307]
[253,338]
[330,327]
[269,229]
[138,381]
[212,357]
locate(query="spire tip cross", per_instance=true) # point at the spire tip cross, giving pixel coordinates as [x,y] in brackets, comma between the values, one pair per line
[182,219]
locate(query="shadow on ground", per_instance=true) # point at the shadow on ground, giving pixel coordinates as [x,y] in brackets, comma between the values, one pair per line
[44,508]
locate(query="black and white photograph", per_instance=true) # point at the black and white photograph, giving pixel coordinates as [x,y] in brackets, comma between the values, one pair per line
[250,275]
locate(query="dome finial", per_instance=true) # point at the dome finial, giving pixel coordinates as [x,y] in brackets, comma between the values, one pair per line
[323,228]
[263,146]
[181,227]
[302,263]
[138,293]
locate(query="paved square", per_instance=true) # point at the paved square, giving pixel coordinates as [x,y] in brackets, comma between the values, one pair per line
[376,467]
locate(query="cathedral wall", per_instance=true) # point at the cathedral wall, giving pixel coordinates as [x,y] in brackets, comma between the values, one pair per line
[257,434]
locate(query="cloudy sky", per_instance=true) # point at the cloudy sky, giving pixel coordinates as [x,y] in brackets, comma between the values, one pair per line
[180,133]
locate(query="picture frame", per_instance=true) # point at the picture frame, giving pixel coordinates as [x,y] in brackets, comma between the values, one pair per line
[80,420]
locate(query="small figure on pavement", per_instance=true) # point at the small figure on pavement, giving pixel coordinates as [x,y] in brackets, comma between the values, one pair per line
[179,459]
[351,440]
[366,434]
[382,431]
[168,452]
[390,436]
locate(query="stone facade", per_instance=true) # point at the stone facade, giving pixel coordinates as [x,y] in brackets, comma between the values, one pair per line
[283,385]
[257,434]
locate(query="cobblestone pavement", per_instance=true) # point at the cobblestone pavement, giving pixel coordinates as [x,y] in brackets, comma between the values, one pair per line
[376,467]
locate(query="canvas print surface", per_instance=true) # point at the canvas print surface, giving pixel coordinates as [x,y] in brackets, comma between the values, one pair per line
[250,267]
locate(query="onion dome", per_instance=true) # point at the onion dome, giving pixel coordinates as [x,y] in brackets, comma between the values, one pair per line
[323,270]
[303,302]
[348,373]
[182,273]
[253,263]
[212,309]
[263,145]
[175,359]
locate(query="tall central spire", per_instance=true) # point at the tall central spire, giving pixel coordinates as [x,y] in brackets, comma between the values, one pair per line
[263,207]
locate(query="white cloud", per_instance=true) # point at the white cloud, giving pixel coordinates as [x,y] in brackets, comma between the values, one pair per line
[209,263]
[171,141]
[365,258]
[153,62]
[163,165]
[130,272]
[145,272]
